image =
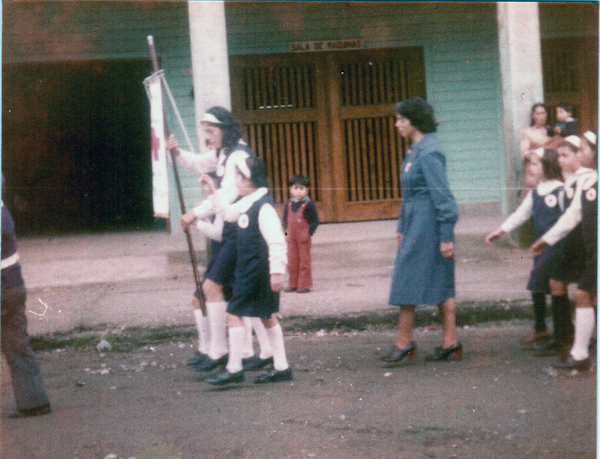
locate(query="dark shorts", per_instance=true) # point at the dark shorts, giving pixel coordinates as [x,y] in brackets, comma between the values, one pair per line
[589,277]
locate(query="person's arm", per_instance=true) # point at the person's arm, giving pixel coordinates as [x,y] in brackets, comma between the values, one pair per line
[434,171]
[270,228]
[312,217]
[202,163]
[516,219]
[524,146]
[284,217]
[212,230]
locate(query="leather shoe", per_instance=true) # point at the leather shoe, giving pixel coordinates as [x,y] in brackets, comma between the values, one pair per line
[289,289]
[30,412]
[569,363]
[224,377]
[536,337]
[397,354]
[256,363]
[273,375]
[196,359]
[303,290]
[442,353]
[210,364]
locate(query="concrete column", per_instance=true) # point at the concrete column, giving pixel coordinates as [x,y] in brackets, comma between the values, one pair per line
[522,83]
[210,64]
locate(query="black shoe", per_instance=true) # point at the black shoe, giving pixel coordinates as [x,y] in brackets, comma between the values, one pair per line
[29,412]
[569,363]
[273,375]
[303,290]
[289,289]
[210,364]
[255,363]
[552,347]
[397,354]
[224,377]
[197,359]
[443,353]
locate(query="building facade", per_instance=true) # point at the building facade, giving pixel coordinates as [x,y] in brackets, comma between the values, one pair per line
[313,84]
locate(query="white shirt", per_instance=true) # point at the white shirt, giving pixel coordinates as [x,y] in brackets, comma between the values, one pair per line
[572,216]
[525,210]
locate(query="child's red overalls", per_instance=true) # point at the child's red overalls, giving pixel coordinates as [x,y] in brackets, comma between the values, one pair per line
[298,248]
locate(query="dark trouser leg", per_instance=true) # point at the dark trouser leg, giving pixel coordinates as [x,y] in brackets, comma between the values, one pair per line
[539,311]
[561,316]
[27,382]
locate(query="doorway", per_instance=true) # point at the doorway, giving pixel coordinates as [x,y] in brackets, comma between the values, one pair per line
[75,146]
[329,116]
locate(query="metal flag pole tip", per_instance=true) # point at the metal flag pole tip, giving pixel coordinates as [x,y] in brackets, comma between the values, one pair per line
[150,40]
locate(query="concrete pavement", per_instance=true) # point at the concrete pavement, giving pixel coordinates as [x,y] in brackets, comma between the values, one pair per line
[144,279]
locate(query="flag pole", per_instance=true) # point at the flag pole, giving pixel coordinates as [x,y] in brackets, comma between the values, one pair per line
[156,68]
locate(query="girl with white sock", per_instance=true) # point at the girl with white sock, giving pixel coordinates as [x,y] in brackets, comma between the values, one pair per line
[585,295]
[259,274]
[226,149]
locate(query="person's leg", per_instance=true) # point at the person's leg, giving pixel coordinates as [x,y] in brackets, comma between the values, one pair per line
[305,281]
[293,262]
[203,327]
[448,318]
[248,349]
[216,307]
[281,370]
[406,320]
[561,312]
[233,372]
[585,321]
[264,343]
[27,382]
[539,311]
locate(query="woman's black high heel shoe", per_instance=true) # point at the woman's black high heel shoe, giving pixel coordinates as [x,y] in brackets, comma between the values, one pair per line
[396,354]
[443,354]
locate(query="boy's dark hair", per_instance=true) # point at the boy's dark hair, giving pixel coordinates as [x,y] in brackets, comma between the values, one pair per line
[258,172]
[232,131]
[566,106]
[550,165]
[299,180]
[419,113]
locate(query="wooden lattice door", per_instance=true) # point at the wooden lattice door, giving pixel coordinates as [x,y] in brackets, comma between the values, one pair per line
[329,116]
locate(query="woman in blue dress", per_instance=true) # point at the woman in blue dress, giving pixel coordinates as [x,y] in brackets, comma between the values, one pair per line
[424,268]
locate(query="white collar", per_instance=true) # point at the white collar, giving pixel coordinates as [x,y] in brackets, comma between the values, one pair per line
[548,186]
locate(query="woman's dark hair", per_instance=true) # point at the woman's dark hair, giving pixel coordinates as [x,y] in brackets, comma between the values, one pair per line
[258,172]
[418,112]
[550,165]
[299,180]
[539,104]
[232,130]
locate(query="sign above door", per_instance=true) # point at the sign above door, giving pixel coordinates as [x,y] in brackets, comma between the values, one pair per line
[326,45]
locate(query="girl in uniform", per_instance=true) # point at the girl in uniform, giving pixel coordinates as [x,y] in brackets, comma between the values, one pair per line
[569,265]
[585,295]
[259,273]
[226,151]
[546,204]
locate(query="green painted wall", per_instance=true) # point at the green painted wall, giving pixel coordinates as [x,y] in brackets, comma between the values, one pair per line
[461,67]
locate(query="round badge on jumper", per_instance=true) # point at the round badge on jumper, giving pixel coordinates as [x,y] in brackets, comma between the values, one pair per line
[591,194]
[243,221]
[550,200]
[221,171]
[569,192]
[407,167]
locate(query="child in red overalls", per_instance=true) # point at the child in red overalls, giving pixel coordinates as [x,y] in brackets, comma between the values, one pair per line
[300,221]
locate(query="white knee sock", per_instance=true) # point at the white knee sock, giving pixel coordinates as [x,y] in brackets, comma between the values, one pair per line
[236,349]
[280,362]
[203,326]
[266,350]
[584,328]
[218,329]
[248,348]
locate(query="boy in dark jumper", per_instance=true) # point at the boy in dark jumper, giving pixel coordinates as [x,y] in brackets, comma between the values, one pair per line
[300,221]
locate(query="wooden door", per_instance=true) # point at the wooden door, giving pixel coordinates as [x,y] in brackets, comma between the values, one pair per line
[329,116]
[570,67]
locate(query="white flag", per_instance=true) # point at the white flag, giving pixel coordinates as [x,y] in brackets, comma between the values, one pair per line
[160,177]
